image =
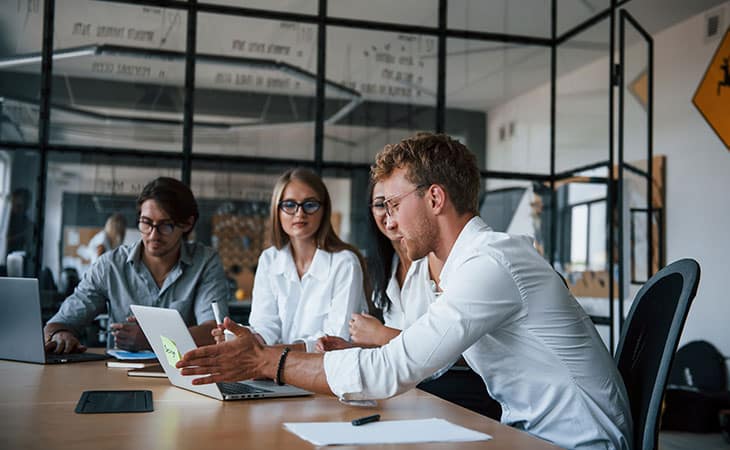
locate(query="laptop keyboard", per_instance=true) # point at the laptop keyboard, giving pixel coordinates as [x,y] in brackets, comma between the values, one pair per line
[238,388]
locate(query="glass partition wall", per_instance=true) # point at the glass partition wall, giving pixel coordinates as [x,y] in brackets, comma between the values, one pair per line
[99,97]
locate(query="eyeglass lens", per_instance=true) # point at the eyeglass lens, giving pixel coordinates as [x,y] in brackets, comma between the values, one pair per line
[291,207]
[164,228]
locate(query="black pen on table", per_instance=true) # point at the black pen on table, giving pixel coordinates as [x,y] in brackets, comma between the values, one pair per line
[366,419]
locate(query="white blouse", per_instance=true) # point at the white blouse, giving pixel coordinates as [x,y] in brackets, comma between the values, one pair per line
[286,309]
[504,308]
[411,301]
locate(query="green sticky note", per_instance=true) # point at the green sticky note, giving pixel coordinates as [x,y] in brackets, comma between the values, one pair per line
[171,351]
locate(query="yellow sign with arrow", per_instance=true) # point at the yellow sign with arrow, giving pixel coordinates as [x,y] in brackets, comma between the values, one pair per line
[712,97]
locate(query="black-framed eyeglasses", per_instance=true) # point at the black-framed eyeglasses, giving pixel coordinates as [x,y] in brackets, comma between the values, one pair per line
[164,228]
[391,207]
[309,206]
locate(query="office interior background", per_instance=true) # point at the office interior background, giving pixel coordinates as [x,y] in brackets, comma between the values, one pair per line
[563,102]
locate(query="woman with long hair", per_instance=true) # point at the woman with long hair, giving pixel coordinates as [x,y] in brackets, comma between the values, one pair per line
[309,282]
[402,289]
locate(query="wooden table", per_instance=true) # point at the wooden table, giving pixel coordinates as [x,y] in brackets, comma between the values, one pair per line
[37,412]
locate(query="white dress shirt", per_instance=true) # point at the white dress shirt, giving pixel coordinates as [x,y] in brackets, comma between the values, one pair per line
[508,313]
[411,301]
[286,309]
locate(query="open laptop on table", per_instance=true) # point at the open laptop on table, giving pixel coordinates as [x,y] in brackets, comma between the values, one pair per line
[21,326]
[166,331]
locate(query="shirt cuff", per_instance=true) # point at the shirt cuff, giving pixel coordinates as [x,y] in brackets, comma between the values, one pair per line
[342,370]
[309,345]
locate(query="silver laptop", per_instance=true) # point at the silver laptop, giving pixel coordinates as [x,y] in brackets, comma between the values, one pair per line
[21,326]
[166,331]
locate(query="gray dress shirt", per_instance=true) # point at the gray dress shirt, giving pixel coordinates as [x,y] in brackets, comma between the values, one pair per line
[121,278]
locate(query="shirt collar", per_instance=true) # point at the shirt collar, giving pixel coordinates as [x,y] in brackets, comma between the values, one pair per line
[319,269]
[135,253]
[185,256]
[283,262]
[461,246]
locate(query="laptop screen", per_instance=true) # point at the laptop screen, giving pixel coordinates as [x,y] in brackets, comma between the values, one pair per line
[21,325]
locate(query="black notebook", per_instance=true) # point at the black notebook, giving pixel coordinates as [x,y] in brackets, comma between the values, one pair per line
[92,402]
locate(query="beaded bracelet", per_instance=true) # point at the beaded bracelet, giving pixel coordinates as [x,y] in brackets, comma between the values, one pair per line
[280,369]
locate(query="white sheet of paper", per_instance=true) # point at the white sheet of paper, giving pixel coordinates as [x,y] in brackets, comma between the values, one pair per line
[384,432]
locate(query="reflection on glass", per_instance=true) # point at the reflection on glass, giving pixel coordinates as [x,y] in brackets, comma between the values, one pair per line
[579,238]
[291,6]
[395,75]
[410,12]
[635,112]
[598,237]
[504,87]
[582,102]
[256,87]
[82,194]
[573,13]
[18,172]
[118,75]
[516,207]
[21,32]
[516,17]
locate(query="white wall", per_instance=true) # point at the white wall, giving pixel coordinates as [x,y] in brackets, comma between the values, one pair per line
[698,176]
[698,164]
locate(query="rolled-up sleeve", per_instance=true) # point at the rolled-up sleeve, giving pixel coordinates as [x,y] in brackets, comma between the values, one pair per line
[212,288]
[481,296]
[87,301]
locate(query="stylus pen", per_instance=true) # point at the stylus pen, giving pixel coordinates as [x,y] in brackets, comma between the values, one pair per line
[217,313]
[366,419]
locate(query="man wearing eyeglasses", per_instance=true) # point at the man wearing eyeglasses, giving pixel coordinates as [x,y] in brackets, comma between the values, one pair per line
[161,269]
[503,308]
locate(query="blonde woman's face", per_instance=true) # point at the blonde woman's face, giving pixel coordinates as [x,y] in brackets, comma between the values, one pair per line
[377,208]
[295,211]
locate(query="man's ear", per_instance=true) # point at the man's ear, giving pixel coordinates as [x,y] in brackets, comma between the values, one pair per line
[437,198]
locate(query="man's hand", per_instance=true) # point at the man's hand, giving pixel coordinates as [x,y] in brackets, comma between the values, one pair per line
[240,359]
[64,341]
[329,343]
[129,336]
[367,330]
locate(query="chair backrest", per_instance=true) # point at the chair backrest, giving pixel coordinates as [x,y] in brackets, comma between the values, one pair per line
[648,343]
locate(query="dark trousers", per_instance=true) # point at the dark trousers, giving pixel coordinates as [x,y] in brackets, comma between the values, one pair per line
[465,388]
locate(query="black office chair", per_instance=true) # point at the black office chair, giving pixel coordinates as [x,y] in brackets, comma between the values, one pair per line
[649,341]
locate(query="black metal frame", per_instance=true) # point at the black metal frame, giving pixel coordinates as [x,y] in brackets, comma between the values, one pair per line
[656,217]
[188,158]
[627,18]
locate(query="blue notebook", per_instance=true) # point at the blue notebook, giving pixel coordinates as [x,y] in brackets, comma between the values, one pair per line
[123,354]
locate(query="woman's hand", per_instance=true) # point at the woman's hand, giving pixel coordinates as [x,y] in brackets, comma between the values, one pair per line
[329,343]
[366,330]
[218,334]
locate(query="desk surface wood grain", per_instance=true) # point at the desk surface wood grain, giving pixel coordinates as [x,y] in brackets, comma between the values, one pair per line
[37,412]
